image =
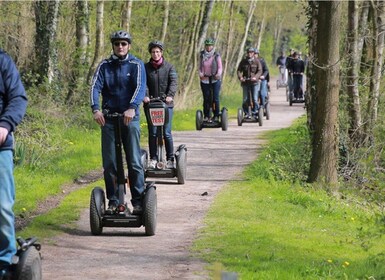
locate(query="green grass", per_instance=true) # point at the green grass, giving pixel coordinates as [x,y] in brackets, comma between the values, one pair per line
[263,228]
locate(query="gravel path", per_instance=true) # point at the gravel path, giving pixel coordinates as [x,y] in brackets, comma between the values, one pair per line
[214,157]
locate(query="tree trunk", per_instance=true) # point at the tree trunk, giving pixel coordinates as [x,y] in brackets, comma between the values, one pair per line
[323,166]
[80,58]
[353,63]
[378,49]
[197,46]
[46,14]
[126,15]
[165,20]
[99,45]
[261,29]
[249,18]
[229,38]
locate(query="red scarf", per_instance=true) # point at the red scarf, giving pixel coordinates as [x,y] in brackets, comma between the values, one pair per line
[156,64]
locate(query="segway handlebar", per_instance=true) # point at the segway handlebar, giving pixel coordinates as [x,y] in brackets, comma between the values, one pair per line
[107,114]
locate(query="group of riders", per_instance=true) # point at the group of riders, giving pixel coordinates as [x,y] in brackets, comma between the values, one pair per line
[291,69]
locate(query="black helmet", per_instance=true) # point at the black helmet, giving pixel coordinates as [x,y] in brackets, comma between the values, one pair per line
[250,49]
[155,44]
[120,35]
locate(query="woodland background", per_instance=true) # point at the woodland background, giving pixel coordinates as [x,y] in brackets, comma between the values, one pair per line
[57,45]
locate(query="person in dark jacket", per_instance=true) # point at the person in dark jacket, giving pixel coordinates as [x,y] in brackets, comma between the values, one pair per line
[264,78]
[298,68]
[249,70]
[121,80]
[13,104]
[161,82]
[289,60]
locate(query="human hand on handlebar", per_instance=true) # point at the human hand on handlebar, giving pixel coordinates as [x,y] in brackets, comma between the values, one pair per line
[128,115]
[168,99]
[146,99]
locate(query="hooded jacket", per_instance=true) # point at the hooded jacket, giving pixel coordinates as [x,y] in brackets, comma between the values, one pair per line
[13,98]
[122,84]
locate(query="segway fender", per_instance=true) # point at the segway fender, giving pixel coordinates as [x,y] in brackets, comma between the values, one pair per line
[180,147]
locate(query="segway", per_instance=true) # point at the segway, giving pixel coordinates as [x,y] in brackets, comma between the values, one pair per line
[157,114]
[250,117]
[296,98]
[122,217]
[222,121]
[281,83]
[26,264]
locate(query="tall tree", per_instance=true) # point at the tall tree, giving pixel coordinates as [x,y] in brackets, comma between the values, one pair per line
[126,15]
[46,14]
[207,9]
[323,166]
[230,31]
[165,20]
[80,57]
[353,65]
[246,31]
[99,44]
[376,71]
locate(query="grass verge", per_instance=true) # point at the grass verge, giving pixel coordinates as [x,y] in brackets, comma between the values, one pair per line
[269,228]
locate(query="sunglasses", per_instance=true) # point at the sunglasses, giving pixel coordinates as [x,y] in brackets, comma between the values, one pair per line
[117,44]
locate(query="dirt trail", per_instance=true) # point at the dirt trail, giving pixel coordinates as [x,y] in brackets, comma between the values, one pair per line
[213,158]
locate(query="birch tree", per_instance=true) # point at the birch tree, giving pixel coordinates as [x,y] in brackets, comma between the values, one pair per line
[99,45]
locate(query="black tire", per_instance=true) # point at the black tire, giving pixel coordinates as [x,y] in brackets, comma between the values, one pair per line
[267,111]
[240,116]
[150,211]
[260,116]
[97,209]
[181,166]
[224,119]
[198,120]
[278,84]
[29,266]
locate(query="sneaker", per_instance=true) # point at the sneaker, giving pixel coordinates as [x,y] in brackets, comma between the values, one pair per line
[152,164]
[170,164]
[111,209]
[205,119]
[216,119]
[137,209]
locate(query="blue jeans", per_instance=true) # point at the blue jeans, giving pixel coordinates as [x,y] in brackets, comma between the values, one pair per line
[207,99]
[132,150]
[7,199]
[254,88]
[169,143]
[263,92]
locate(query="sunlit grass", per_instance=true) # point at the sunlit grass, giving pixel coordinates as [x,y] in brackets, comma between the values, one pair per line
[262,228]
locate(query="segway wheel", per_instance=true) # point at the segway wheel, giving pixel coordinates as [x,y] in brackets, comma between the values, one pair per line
[181,166]
[97,209]
[260,116]
[150,208]
[224,119]
[267,111]
[198,120]
[240,116]
[29,265]
[278,84]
